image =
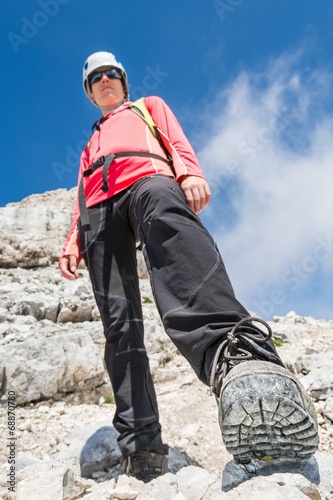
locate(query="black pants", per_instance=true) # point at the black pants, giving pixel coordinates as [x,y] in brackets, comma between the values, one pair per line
[191,289]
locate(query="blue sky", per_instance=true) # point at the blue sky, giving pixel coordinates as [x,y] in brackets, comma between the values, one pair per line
[252,84]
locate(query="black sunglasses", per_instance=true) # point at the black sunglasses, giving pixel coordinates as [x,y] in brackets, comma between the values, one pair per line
[110,73]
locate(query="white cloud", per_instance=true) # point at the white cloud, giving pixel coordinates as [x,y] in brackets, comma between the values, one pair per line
[271,142]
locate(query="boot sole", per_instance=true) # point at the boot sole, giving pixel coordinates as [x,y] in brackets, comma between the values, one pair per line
[265,413]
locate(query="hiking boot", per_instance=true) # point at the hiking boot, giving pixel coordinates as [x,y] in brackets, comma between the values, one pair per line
[147,465]
[264,411]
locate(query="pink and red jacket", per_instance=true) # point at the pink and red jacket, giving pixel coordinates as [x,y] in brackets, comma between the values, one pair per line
[122,130]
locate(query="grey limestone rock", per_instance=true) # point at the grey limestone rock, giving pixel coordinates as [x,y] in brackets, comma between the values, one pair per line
[41,368]
[51,345]
[100,452]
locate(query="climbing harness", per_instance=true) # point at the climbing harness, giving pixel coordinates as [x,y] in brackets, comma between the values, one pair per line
[105,162]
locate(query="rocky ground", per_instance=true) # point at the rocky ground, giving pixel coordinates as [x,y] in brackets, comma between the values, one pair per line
[51,352]
[51,358]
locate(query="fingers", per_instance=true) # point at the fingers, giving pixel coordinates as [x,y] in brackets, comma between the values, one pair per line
[197,193]
[195,199]
[68,267]
[200,198]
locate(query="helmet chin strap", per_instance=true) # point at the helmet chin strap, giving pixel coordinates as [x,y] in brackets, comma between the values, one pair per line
[102,60]
[126,96]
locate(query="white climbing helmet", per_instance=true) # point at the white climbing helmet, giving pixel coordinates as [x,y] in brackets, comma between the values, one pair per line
[99,59]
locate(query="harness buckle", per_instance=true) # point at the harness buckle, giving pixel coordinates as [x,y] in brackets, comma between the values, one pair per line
[98,163]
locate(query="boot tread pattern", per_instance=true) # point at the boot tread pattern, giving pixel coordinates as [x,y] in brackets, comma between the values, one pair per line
[267,416]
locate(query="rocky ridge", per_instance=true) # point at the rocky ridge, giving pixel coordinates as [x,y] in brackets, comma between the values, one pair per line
[51,357]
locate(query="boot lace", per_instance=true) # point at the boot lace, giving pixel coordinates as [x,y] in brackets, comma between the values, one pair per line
[229,353]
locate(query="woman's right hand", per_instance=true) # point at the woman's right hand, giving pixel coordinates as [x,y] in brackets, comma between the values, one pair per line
[68,267]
